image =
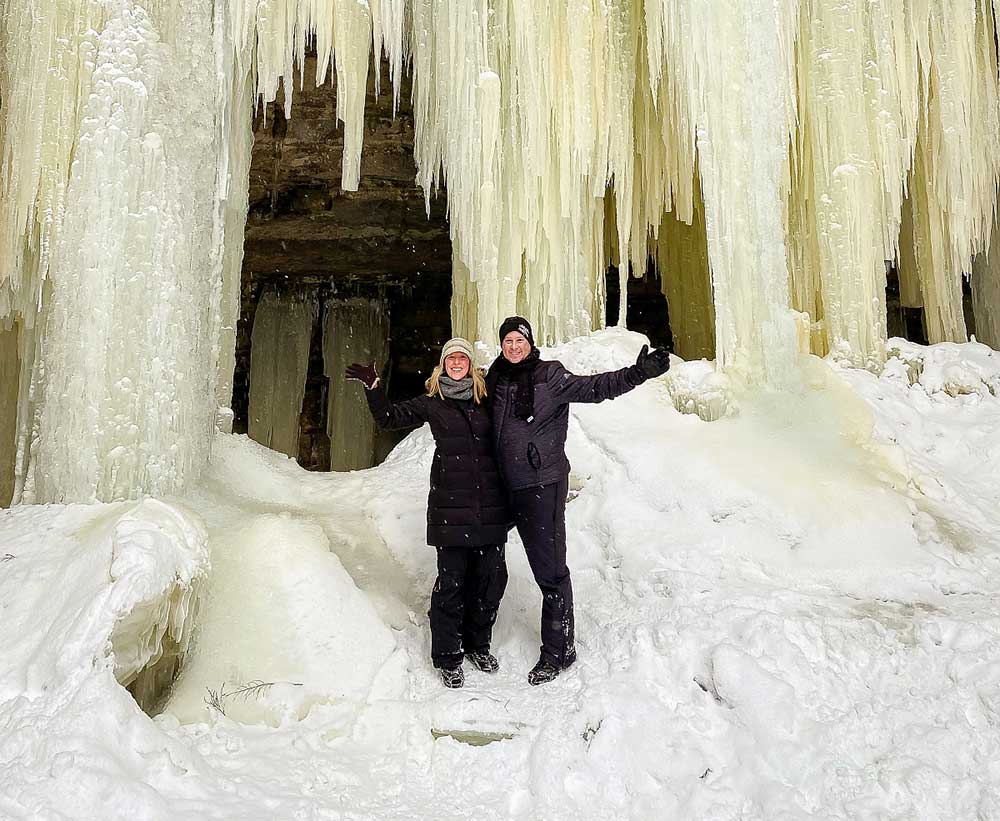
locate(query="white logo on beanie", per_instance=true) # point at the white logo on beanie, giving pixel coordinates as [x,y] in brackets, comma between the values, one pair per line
[525,331]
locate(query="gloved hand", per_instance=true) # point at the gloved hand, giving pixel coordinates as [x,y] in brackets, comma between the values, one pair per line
[365,374]
[653,363]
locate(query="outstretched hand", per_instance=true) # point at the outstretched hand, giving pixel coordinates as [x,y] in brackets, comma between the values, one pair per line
[653,363]
[365,374]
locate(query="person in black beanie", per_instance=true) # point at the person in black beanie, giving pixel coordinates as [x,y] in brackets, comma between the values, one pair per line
[529,399]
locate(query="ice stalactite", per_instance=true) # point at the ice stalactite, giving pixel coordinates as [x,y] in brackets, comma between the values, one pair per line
[354,330]
[276,33]
[737,68]
[10,371]
[954,176]
[681,252]
[857,108]
[986,292]
[279,362]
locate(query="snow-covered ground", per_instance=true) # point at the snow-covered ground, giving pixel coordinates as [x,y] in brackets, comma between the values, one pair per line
[792,611]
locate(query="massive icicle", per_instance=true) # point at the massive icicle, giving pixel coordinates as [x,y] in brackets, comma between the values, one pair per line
[122,396]
[354,330]
[986,292]
[279,362]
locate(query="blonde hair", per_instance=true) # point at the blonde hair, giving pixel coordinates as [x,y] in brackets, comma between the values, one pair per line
[478,383]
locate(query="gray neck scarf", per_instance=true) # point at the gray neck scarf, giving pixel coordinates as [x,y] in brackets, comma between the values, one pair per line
[455,389]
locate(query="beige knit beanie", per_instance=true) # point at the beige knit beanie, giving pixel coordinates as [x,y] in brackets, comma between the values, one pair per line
[456,345]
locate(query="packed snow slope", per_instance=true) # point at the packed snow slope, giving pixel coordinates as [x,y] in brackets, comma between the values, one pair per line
[789,612]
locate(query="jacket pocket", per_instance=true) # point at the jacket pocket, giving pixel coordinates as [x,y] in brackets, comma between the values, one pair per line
[534,457]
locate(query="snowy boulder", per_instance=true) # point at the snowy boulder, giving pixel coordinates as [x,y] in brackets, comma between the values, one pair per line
[128,576]
[159,561]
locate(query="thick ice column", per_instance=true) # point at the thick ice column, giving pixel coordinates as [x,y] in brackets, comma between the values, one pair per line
[739,63]
[986,293]
[10,368]
[355,330]
[854,142]
[682,259]
[123,381]
[279,363]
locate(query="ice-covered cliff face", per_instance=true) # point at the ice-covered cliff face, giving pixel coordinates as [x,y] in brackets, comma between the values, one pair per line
[809,141]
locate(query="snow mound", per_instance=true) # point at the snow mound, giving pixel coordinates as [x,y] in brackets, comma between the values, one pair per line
[283,614]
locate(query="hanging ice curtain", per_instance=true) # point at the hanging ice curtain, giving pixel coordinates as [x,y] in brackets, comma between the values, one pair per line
[279,361]
[354,330]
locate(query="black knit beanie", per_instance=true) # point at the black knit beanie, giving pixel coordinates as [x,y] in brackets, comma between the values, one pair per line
[519,324]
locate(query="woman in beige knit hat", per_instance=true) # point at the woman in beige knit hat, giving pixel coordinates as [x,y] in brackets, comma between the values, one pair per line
[467,512]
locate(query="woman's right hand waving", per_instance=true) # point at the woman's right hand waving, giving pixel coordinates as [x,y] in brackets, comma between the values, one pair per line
[365,374]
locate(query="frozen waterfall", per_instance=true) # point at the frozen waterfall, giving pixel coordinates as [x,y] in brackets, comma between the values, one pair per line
[806,143]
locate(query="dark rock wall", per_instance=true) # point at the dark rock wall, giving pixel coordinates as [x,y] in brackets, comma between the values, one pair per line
[304,233]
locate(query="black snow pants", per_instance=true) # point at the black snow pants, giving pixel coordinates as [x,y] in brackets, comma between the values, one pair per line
[464,603]
[540,516]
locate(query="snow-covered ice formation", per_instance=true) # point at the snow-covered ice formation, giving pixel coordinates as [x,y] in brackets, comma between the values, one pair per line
[785,613]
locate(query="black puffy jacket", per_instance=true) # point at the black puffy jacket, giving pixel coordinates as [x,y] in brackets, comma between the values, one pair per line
[467,504]
[533,453]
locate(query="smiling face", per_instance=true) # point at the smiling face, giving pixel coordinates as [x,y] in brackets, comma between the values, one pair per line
[515,347]
[457,365]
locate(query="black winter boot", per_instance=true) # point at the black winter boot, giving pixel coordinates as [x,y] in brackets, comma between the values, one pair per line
[453,677]
[543,672]
[483,660]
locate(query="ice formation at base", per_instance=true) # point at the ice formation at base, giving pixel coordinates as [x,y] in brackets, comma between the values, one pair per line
[816,140]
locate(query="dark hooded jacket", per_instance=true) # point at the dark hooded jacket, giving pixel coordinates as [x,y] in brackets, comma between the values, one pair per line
[532,452]
[467,504]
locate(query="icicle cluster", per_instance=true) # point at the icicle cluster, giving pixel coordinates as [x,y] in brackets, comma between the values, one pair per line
[770,155]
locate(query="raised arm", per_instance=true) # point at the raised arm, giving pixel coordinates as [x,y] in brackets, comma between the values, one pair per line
[388,415]
[568,387]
